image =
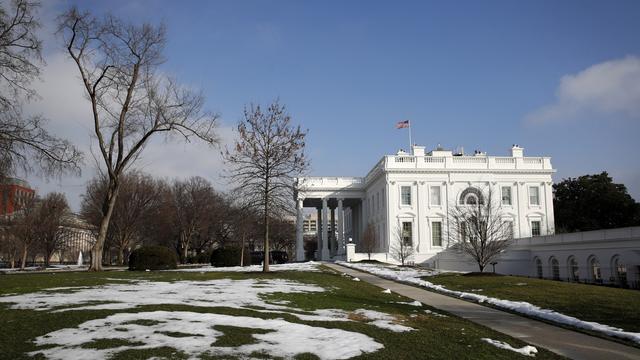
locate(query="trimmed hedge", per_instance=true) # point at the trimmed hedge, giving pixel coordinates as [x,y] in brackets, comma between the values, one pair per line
[229,257]
[153,258]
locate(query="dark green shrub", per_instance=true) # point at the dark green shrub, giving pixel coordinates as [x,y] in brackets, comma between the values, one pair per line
[153,258]
[201,258]
[229,257]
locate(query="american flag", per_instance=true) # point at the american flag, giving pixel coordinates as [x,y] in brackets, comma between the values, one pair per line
[403,124]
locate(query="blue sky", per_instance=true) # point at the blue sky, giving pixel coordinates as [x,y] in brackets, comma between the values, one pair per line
[560,78]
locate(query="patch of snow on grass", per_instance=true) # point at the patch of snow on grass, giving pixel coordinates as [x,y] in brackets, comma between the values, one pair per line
[527,350]
[382,320]
[219,293]
[413,276]
[387,291]
[434,313]
[302,266]
[197,337]
[412,303]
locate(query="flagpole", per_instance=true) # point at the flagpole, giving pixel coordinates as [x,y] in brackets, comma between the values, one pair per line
[410,144]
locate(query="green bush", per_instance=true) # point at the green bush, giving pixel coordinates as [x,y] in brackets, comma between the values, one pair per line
[202,258]
[153,258]
[229,257]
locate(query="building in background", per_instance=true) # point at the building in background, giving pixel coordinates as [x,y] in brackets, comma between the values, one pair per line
[14,194]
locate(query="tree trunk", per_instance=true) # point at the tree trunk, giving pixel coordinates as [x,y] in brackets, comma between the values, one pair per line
[24,258]
[265,266]
[242,250]
[107,209]
[481,267]
[121,256]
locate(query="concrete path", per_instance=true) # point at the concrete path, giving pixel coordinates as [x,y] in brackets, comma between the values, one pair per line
[565,342]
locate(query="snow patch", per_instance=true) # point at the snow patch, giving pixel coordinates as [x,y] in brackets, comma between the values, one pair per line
[413,276]
[382,320]
[387,291]
[197,336]
[527,350]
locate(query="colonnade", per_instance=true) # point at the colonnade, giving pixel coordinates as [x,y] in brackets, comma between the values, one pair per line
[331,239]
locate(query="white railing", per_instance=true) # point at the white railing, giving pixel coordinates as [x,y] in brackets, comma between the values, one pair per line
[330,182]
[463,162]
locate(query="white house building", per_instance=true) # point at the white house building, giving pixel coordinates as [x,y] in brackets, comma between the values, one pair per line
[413,192]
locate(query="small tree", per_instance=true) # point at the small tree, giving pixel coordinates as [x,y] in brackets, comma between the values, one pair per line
[50,215]
[130,99]
[368,244]
[267,155]
[402,249]
[478,228]
[23,229]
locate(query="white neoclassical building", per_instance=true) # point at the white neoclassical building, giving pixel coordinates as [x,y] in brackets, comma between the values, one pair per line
[413,192]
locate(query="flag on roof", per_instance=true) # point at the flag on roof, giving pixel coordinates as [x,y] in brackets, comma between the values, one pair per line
[403,124]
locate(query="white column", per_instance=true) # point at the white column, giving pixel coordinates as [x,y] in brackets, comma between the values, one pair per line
[299,232]
[340,228]
[332,236]
[319,233]
[325,232]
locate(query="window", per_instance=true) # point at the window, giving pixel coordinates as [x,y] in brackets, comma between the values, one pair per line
[574,270]
[539,268]
[463,231]
[436,233]
[594,264]
[506,195]
[534,195]
[535,228]
[471,199]
[405,195]
[508,229]
[555,268]
[435,195]
[620,271]
[407,234]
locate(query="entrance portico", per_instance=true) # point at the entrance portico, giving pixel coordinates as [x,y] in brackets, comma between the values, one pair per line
[338,202]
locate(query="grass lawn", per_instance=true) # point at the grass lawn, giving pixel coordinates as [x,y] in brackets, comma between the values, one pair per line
[605,305]
[68,318]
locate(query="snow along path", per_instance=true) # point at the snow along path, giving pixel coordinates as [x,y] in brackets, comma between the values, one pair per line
[412,276]
[298,266]
[562,341]
[193,333]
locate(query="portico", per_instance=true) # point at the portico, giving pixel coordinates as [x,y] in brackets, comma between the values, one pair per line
[338,202]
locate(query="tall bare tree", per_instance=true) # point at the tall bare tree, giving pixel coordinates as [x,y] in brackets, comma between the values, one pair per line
[131,101]
[23,229]
[478,227]
[25,144]
[267,155]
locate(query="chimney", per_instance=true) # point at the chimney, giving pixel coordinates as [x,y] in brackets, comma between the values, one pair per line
[517,151]
[417,150]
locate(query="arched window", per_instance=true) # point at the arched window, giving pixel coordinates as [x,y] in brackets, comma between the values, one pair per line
[471,196]
[619,270]
[539,268]
[555,268]
[574,270]
[594,267]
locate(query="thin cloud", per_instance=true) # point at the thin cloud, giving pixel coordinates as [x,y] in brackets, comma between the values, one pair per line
[611,87]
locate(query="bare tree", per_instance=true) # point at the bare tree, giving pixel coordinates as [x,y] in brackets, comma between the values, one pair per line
[50,214]
[139,194]
[131,101]
[264,160]
[193,201]
[24,142]
[402,249]
[368,244]
[23,229]
[477,227]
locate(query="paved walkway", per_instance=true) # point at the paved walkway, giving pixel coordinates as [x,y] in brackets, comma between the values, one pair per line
[565,342]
